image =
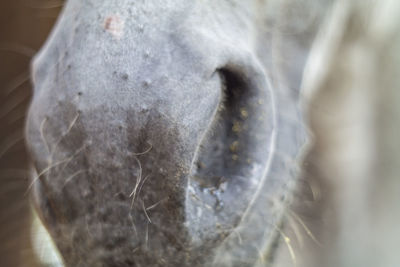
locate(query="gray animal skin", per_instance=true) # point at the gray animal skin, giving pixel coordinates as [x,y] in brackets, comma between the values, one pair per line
[165,133]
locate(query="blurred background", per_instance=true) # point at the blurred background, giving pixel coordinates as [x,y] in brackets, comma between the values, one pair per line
[24,26]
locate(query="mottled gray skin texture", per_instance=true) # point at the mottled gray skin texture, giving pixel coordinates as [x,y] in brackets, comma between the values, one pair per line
[165,133]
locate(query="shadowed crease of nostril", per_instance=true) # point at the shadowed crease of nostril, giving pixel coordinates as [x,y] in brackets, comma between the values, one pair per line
[220,148]
[231,159]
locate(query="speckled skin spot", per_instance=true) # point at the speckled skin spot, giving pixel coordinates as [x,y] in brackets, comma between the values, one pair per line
[114,24]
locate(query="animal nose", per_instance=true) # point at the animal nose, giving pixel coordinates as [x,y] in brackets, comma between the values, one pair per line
[173,190]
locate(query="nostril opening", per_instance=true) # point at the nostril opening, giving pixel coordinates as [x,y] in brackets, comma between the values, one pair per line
[232,158]
[233,87]
[222,148]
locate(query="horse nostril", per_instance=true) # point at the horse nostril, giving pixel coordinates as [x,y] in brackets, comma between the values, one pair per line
[232,158]
[222,148]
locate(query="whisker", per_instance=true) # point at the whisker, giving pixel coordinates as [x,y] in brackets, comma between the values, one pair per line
[74,120]
[72,176]
[13,103]
[289,213]
[62,138]
[308,231]
[133,194]
[142,153]
[144,180]
[296,231]
[157,203]
[16,83]
[287,241]
[17,48]
[10,142]
[239,236]
[145,212]
[44,171]
[41,129]
[133,224]
[48,168]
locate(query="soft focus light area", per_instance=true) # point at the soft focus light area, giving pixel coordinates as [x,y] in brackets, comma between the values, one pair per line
[43,246]
[351,92]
